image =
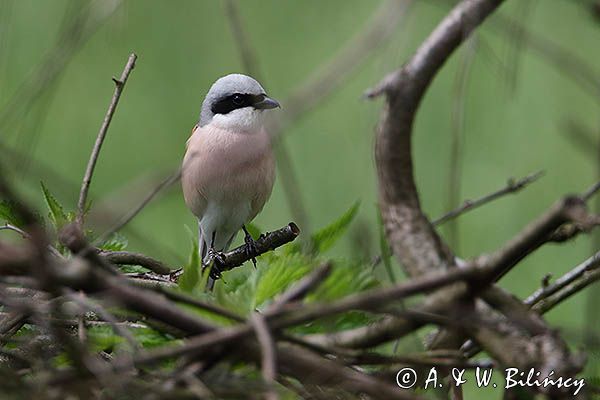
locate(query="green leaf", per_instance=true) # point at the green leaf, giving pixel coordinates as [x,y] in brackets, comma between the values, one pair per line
[325,238]
[103,338]
[116,242]
[56,212]
[346,278]
[132,269]
[280,273]
[149,337]
[8,213]
[236,290]
[191,271]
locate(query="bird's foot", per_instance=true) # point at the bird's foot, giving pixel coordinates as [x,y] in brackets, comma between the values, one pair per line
[217,259]
[251,247]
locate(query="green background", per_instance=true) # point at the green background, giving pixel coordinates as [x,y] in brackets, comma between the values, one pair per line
[516,108]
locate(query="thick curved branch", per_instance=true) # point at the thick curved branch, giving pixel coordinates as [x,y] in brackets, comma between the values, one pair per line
[410,233]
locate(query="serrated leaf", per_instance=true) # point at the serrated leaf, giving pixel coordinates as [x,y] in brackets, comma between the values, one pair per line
[8,214]
[345,279]
[236,291]
[325,238]
[116,242]
[56,212]
[191,270]
[281,271]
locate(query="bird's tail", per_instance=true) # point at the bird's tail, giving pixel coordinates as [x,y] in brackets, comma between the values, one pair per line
[203,250]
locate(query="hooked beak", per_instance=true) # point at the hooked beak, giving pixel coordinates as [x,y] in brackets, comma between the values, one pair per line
[266,103]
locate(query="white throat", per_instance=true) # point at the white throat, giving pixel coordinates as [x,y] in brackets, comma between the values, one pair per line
[246,119]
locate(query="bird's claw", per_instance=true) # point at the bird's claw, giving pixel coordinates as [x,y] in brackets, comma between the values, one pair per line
[251,248]
[217,259]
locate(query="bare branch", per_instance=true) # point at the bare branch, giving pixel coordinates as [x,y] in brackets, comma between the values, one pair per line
[269,362]
[87,178]
[412,237]
[576,273]
[511,187]
[548,227]
[300,289]
[167,182]
[339,68]
[267,242]
[129,258]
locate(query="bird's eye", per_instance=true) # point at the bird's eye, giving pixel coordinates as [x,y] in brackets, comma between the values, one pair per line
[238,99]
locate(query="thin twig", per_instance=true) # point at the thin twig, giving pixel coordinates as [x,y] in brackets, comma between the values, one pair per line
[339,68]
[129,258]
[269,361]
[192,301]
[461,82]
[87,304]
[89,171]
[588,265]
[25,235]
[300,289]
[167,182]
[511,187]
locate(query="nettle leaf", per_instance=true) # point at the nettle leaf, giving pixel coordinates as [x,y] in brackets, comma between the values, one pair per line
[281,271]
[325,238]
[346,278]
[236,290]
[149,337]
[103,338]
[191,270]
[116,242]
[8,213]
[56,212]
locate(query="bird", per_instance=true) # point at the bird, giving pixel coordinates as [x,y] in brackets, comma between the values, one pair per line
[228,169]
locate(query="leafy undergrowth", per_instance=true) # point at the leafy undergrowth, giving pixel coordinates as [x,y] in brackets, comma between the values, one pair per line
[246,289]
[242,290]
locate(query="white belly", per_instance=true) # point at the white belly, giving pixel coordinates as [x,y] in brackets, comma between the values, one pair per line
[225,220]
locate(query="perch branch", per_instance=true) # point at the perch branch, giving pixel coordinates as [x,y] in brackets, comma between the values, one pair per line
[267,242]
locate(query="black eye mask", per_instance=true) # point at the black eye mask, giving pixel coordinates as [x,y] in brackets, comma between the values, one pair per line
[234,101]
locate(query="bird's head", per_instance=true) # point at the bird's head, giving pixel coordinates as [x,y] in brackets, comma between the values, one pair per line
[236,102]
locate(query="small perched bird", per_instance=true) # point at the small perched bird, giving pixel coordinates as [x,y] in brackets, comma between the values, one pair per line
[228,169]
